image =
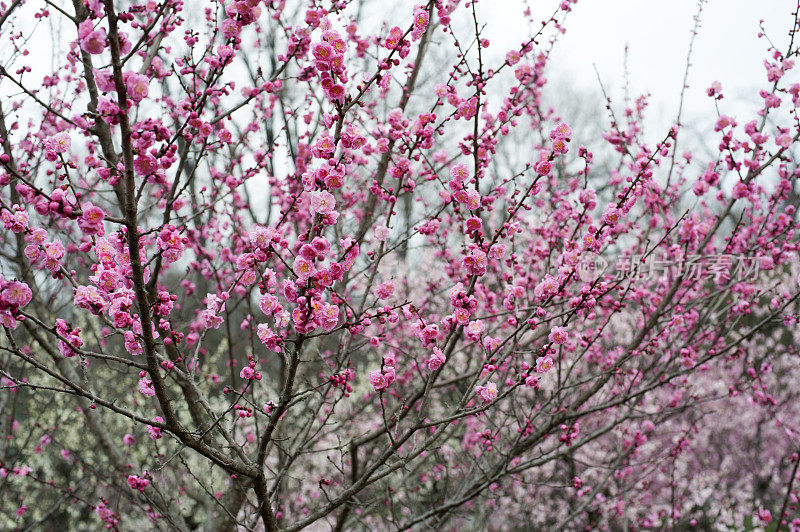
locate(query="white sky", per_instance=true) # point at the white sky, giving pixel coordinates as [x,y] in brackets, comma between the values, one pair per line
[658,33]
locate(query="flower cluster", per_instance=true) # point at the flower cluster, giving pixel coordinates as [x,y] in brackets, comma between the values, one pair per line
[138,483]
[155,432]
[13,296]
[93,41]
[382,378]
[244,244]
[69,338]
[487,392]
[249,371]
[328,57]
[56,145]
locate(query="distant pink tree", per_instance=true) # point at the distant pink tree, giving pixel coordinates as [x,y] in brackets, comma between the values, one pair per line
[273,265]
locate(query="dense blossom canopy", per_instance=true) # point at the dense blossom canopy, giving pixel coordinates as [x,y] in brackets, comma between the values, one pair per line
[287,264]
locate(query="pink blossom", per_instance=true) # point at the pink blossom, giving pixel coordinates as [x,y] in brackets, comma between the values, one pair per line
[547,288]
[381,232]
[92,41]
[230,28]
[272,341]
[137,86]
[138,483]
[558,335]
[543,167]
[381,379]
[146,387]
[145,164]
[474,329]
[303,267]
[90,298]
[155,432]
[459,172]
[543,364]
[421,19]
[764,515]
[384,290]
[436,359]
[54,250]
[16,221]
[132,345]
[93,214]
[740,190]
[724,122]
[513,57]
[611,215]
[58,143]
[475,263]
[322,202]
[561,131]
[16,294]
[488,393]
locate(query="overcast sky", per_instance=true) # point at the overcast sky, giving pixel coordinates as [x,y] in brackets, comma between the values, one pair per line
[726,49]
